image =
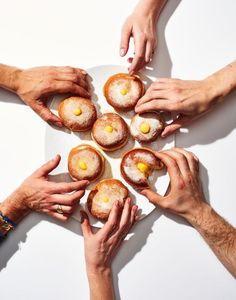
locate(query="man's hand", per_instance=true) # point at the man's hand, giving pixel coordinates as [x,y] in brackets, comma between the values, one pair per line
[35,86]
[185,197]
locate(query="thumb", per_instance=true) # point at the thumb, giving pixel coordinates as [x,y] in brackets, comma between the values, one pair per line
[181,121]
[45,113]
[125,37]
[85,224]
[153,197]
[48,167]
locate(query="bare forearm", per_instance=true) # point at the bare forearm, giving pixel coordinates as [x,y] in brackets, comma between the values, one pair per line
[8,77]
[224,80]
[150,7]
[219,235]
[101,284]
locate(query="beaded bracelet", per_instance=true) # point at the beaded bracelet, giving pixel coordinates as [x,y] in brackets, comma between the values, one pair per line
[6,225]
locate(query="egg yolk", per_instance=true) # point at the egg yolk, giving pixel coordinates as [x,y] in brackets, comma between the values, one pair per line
[123,92]
[105,199]
[142,167]
[77,112]
[144,127]
[109,128]
[82,165]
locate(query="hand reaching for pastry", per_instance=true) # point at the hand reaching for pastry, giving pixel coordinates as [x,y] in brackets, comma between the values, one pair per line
[141,26]
[37,193]
[35,86]
[101,247]
[185,196]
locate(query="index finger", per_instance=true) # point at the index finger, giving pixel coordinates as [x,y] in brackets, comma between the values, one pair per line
[139,57]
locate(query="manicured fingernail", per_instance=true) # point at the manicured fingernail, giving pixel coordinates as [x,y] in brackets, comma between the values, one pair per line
[122,52]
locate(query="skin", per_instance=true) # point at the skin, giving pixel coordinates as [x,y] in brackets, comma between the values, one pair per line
[186,199]
[190,99]
[37,193]
[101,247]
[35,86]
[141,25]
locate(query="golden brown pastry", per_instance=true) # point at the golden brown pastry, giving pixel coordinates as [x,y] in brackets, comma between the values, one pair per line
[110,132]
[77,114]
[137,165]
[146,127]
[103,195]
[85,162]
[123,91]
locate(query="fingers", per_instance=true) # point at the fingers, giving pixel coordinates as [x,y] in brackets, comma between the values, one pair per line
[125,38]
[112,221]
[55,215]
[153,197]
[180,122]
[157,105]
[171,165]
[139,58]
[180,160]
[67,199]
[62,87]
[85,224]
[45,113]
[192,159]
[48,167]
[128,218]
[68,187]
[149,52]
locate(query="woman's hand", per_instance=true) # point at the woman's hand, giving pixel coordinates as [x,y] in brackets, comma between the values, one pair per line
[35,86]
[101,247]
[143,30]
[56,199]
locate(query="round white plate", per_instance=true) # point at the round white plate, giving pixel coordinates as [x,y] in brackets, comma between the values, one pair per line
[62,140]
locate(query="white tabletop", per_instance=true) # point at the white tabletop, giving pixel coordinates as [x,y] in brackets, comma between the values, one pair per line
[165,258]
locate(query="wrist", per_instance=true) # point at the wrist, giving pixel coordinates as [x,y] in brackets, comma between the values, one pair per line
[99,271]
[196,214]
[149,9]
[9,77]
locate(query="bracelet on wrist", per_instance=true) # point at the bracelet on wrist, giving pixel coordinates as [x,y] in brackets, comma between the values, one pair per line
[6,225]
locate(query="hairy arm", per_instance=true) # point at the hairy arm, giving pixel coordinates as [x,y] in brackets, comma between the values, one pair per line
[8,77]
[218,234]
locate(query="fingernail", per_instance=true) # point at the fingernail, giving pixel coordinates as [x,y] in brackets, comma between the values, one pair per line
[122,52]
[59,124]
[84,72]
[87,182]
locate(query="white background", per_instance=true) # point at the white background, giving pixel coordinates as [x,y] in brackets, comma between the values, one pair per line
[165,259]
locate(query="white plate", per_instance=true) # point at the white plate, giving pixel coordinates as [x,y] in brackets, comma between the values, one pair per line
[61,141]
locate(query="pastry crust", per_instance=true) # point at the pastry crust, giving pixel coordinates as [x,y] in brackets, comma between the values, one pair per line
[103,195]
[129,166]
[85,162]
[118,135]
[77,114]
[146,127]
[122,91]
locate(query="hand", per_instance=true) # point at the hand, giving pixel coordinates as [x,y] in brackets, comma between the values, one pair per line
[35,86]
[185,197]
[100,247]
[142,28]
[38,194]
[190,99]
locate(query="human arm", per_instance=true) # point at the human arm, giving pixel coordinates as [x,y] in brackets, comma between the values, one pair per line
[35,86]
[141,25]
[190,99]
[39,194]
[101,247]
[186,199]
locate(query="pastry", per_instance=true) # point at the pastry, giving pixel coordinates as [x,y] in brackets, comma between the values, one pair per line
[110,132]
[103,195]
[146,127]
[77,114]
[137,165]
[122,91]
[85,162]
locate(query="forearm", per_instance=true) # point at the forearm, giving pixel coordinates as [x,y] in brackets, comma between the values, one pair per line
[8,77]
[218,233]
[101,284]
[151,8]
[223,81]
